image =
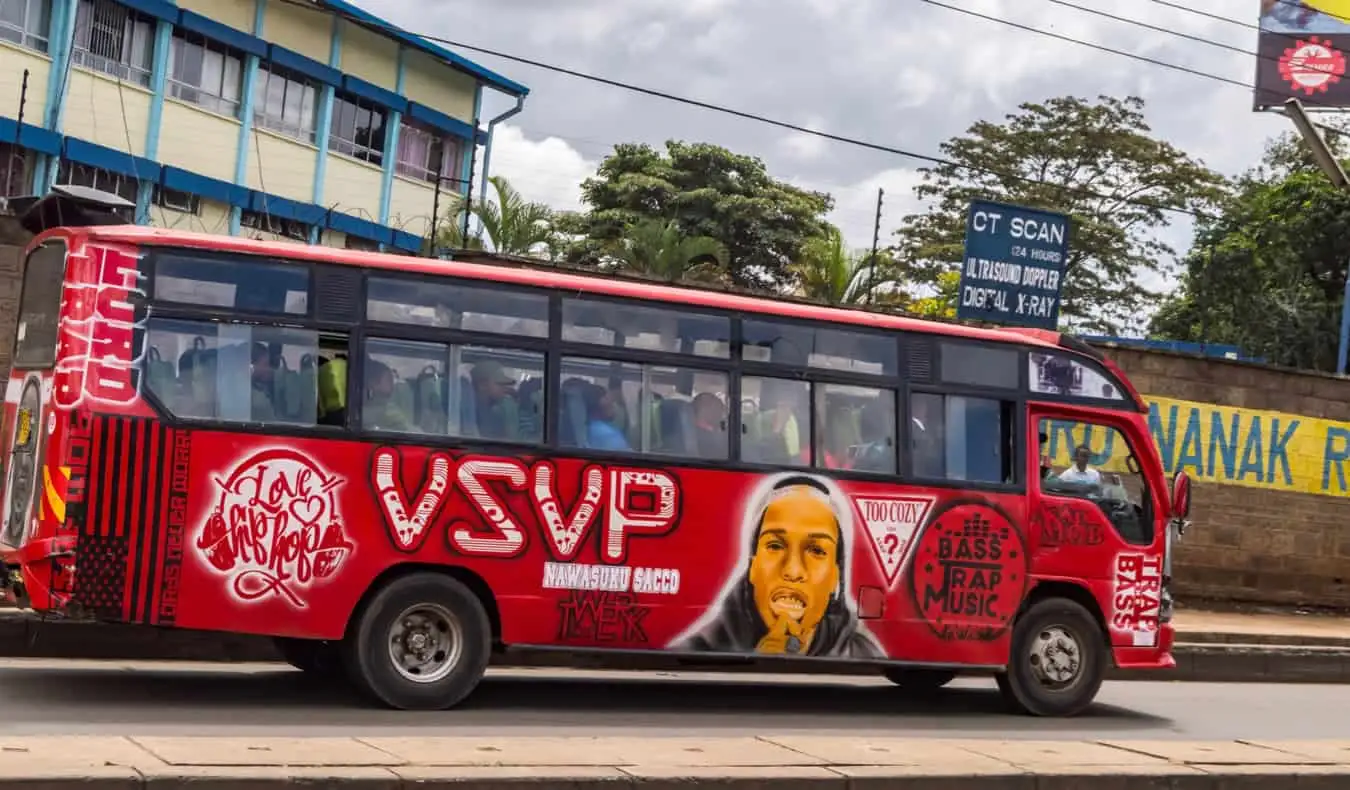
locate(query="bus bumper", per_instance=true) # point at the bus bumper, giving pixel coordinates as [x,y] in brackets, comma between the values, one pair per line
[1156,657]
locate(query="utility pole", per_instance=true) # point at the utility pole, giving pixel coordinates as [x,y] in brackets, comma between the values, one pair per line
[1327,161]
[876,241]
[18,132]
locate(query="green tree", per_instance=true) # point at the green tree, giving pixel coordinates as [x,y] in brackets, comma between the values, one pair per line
[1095,161]
[828,271]
[657,249]
[708,191]
[512,224]
[1268,274]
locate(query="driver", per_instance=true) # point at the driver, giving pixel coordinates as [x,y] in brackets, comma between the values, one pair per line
[1080,472]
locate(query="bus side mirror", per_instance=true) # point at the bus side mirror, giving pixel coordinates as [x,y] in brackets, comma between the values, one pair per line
[1181,496]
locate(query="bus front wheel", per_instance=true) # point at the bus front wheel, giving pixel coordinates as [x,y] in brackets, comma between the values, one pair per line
[1057,661]
[421,643]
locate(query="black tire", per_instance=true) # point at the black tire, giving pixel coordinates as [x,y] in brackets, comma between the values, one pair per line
[1056,623]
[312,656]
[919,680]
[369,648]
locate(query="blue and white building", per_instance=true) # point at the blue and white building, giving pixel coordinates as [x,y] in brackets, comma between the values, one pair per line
[311,120]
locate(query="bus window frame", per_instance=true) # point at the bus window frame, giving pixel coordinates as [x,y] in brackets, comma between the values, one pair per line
[50,359]
[1125,403]
[152,257]
[555,350]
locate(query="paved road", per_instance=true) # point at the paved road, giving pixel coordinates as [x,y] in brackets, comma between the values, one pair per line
[43,697]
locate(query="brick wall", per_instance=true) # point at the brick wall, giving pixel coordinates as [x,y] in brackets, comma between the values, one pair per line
[1280,535]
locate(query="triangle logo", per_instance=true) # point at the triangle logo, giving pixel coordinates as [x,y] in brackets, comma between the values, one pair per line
[891,522]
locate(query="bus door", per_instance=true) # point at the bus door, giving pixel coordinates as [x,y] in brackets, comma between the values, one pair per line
[1094,518]
[28,409]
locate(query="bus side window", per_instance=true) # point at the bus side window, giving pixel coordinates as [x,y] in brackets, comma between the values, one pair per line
[1096,463]
[961,438]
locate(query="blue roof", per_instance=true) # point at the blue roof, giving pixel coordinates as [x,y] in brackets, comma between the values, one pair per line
[417,42]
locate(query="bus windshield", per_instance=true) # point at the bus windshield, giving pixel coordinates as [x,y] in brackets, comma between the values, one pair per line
[39,307]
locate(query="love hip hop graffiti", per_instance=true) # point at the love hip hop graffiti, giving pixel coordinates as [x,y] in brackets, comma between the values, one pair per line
[623,501]
[99,339]
[276,527]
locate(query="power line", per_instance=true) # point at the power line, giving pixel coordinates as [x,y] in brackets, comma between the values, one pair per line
[725,110]
[1207,14]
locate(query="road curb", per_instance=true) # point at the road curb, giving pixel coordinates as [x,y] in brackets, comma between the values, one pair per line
[27,637]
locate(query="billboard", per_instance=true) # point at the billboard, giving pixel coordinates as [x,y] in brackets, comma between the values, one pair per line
[1014,265]
[1302,54]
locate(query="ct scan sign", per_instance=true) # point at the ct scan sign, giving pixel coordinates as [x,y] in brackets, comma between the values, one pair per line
[1014,265]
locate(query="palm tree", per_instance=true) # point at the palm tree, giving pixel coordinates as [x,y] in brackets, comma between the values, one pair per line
[513,225]
[656,248]
[828,271]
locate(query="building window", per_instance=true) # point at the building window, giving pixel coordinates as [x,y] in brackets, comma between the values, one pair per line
[423,153]
[115,40]
[14,169]
[75,174]
[358,243]
[358,129]
[177,200]
[285,102]
[205,73]
[288,228]
[26,22]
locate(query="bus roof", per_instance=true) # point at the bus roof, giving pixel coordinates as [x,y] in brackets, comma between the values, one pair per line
[645,290]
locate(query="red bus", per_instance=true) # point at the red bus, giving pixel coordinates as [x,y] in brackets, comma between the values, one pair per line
[404,469]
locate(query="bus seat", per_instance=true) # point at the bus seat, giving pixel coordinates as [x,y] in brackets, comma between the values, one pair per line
[403,399]
[286,391]
[676,417]
[307,389]
[429,402]
[468,408]
[572,418]
[531,394]
[199,382]
[160,375]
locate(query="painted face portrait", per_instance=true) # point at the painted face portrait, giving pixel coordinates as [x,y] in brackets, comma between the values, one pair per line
[790,596]
[795,567]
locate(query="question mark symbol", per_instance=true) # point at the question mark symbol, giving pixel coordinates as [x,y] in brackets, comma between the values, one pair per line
[891,542]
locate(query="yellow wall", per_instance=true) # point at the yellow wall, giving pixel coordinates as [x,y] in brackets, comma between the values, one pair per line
[213,217]
[93,112]
[410,205]
[350,185]
[198,141]
[1252,448]
[15,60]
[287,166]
[308,32]
[238,14]
[370,57]
[427,81]
[334,238]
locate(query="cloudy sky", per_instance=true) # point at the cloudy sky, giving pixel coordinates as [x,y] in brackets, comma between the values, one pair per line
[903,73]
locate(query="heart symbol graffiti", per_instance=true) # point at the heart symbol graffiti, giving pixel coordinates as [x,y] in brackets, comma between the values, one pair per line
[308,510]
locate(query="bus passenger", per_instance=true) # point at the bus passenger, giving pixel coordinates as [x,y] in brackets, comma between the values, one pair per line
[264,376]
[493,389]
[710,423]
[601,434]
[380,412]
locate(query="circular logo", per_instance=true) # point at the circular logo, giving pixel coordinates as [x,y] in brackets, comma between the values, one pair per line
[970,570]
[1312,66]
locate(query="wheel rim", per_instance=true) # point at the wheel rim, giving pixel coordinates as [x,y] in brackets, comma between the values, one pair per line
[1056,658]
[425,643]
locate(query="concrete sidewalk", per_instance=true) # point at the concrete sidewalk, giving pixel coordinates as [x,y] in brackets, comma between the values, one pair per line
[785,762]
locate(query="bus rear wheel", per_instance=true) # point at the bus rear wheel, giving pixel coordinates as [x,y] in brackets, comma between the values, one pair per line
[919,680]
[421,643]
[1058,659]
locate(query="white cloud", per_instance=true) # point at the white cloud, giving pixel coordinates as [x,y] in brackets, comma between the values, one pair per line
[547,170]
